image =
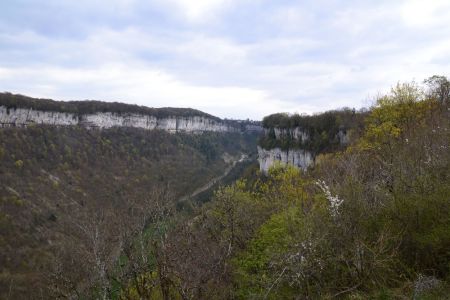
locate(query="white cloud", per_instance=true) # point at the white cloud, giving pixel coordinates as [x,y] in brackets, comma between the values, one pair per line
[199,11]
[214,51]
[132,84]
[228,62]
[364,20]
[420,13]
[292,18]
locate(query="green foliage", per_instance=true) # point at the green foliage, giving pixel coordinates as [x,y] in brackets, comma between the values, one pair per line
[19,164]
[254,273]
[394,114]
[306,250]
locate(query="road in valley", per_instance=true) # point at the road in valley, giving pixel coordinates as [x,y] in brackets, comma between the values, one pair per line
[213,181]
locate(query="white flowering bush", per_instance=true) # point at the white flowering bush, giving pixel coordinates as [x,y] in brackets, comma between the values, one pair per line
[333,201]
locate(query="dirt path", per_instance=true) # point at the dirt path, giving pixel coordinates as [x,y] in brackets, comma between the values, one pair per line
[213,181]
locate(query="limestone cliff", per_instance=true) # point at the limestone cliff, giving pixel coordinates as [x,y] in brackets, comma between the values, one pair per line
[296,133]
[299,154]
[299,158]
[21,111]
[297,139]
[23,117]
[28,116]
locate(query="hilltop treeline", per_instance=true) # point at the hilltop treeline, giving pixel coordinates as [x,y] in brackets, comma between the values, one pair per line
[322,129]
[90,107]
[330,120]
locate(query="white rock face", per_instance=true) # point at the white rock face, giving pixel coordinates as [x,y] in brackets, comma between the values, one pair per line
[254,128]
[296,133]
[108,120]
[25,117]
[22,117]
[197,123]
[343,137]
[300,134]
[298,158]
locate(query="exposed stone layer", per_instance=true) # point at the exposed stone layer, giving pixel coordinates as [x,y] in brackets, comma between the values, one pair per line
[26,117]
[23,117]
[296,133]
[296,157]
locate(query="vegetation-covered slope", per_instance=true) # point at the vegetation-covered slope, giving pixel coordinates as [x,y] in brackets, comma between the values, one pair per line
[71,198]
[369,222]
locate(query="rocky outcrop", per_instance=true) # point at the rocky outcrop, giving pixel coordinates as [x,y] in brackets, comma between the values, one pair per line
[296,157]
[299,158]
[303,137]
[297,133]
[343,137]
[25,117]
[253,128]
[295,154]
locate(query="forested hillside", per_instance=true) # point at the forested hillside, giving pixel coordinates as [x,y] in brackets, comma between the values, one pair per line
[368,222]
[72,199]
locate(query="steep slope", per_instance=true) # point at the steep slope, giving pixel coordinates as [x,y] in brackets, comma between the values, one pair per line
[62,185]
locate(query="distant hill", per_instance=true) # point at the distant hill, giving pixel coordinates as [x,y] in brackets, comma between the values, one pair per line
[19,110]
[93,106]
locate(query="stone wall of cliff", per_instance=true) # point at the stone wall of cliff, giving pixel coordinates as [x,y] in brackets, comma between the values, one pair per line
[298,153]
[28,116]
[297,139]
[299,158]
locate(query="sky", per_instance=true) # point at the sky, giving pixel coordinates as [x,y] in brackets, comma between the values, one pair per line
[231,58]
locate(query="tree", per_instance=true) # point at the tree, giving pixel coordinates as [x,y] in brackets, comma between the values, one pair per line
[438,88]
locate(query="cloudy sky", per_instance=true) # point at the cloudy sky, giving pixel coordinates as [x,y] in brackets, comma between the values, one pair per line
[230,58]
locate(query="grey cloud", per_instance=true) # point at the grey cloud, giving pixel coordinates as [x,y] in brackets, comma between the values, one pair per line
[313,56]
